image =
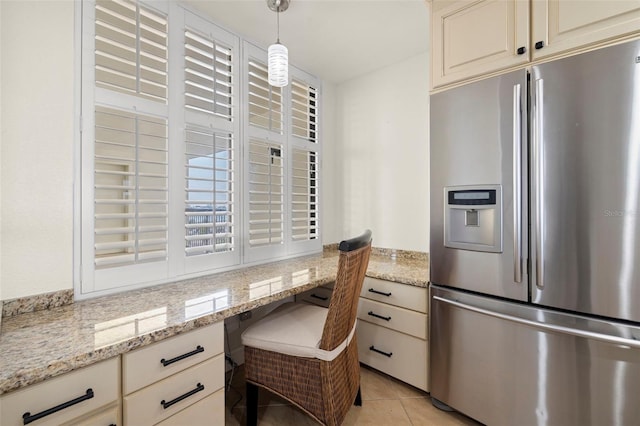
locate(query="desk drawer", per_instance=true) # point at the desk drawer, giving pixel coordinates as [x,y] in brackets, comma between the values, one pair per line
[403,295]
[400,319]
[103,379]
[178,392]
[107,417]
[144,366]
[208,411]
[408,355]
[320,296]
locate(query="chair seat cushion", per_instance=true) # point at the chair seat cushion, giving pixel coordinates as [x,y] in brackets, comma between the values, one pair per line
[292,329]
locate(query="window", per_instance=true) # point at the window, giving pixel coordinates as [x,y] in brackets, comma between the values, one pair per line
[180,174]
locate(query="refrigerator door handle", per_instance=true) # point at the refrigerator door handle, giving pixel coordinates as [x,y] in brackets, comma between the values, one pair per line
[517,183]
[539,181]
[606,338]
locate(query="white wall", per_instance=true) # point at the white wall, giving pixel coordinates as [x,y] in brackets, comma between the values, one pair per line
[382,168]
[1,48]
[36,192]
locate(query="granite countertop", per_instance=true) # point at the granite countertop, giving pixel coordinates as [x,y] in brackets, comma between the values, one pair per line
[39,345]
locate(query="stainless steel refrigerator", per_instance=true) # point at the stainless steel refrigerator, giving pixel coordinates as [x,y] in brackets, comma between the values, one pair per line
[535,243]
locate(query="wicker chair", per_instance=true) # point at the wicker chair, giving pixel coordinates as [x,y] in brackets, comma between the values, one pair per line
[308,354]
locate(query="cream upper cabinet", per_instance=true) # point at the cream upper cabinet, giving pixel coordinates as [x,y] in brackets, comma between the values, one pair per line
[476,37]
[562,25]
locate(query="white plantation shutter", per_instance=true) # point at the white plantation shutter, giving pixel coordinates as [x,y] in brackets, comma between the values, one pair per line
[304,111]
[305,164]
[266,193]
[171,185]
[212,124]
[131,49]
[265,101]
[209,208]
[131,187]
[304,195]
[208,75]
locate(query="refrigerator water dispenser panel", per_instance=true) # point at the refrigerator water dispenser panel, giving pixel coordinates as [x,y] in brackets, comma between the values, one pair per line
[473,218]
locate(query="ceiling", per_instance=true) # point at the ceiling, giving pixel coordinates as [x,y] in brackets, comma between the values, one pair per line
[335,40]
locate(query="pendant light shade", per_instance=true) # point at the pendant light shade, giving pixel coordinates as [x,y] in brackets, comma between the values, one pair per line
[278,54]
[278,59]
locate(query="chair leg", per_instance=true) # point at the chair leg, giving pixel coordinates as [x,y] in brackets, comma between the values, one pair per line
[358,401]
[252,404]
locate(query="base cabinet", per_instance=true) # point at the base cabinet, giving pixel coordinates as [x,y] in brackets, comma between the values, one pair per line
[178,381]
[392,330]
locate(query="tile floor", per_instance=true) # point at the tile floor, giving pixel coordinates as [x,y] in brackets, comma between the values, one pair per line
[385,401]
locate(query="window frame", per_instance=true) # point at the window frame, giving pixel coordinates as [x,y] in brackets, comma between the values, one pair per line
[176,265]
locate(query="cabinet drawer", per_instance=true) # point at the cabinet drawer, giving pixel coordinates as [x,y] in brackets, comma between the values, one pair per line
[209,411]
[102,378]
[145,407]
[394,317]
[403,295]
[144,366]
[320,296]
[107,417]
[408,355]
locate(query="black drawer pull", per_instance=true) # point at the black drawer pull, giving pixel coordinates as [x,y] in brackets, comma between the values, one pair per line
[539,45]
[165,405]
[372,348]
[379,316]
[315,296]
[28,418]
[197,350]
[522,50]
[379,292]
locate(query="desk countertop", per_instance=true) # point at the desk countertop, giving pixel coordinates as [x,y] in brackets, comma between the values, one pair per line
[39,345]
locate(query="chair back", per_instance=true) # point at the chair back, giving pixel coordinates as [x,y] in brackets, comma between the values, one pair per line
[343,308]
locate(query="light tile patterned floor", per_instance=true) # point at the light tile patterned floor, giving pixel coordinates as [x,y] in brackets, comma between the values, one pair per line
[385,401]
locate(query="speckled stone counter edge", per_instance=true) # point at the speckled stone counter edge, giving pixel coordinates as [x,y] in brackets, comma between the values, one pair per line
[55,299]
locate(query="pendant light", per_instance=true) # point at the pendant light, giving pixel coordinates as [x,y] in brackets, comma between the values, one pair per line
[278,54]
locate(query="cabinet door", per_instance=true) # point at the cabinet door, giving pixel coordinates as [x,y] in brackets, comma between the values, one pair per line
[471,38]
[562,25]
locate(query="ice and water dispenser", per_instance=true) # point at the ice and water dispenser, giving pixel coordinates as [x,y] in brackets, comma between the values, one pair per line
[473,217]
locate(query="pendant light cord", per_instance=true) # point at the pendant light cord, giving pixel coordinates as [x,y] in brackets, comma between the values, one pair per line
[278,21]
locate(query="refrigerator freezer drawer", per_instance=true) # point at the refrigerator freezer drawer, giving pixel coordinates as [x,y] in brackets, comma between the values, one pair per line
[503,363]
